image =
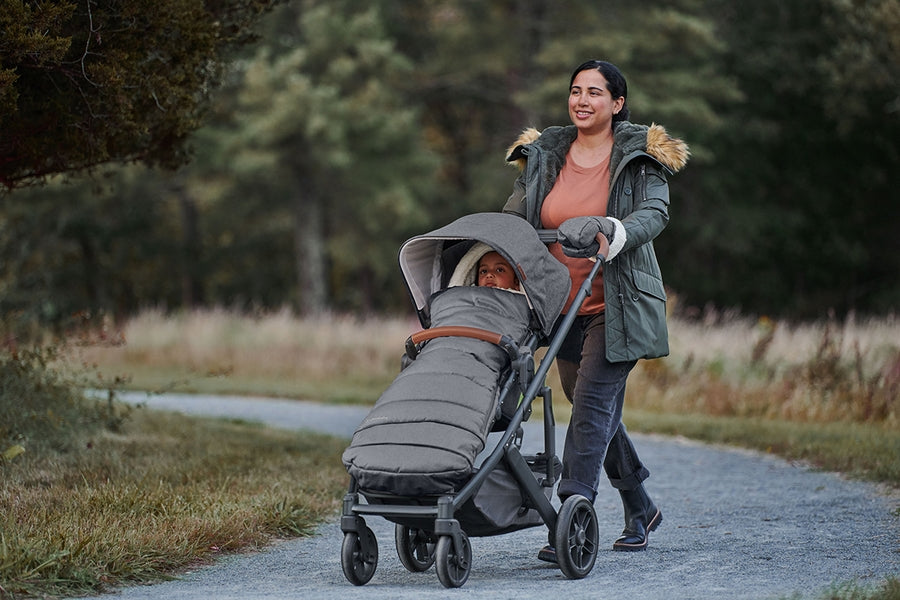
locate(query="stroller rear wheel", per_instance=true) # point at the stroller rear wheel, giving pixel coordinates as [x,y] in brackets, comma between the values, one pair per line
[415,547]
[358,565]
[577,537]
[453,567]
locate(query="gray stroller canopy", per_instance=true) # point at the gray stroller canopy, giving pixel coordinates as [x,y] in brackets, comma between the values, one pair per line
[428,261]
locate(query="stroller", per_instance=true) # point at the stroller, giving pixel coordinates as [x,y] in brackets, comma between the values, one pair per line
[470,372]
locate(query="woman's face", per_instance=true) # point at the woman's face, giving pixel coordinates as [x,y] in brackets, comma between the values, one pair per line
[591,106]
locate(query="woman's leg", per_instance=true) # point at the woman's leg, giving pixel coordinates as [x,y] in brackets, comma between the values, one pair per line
[622,464]
[624,469]
[598,397]
[626,473]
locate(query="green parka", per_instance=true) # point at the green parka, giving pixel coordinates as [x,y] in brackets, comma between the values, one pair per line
[639,198]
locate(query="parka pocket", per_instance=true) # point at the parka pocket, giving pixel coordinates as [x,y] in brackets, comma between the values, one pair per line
[645,316]
[648,284]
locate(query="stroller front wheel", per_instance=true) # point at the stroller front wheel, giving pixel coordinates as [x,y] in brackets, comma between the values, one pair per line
[453,567]
[577,537]
[415,547]
[359,565]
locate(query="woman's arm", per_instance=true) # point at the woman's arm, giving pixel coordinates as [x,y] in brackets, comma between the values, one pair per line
[651,206]
[515,204]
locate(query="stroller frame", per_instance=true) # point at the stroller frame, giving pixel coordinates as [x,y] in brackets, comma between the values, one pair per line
[573,531]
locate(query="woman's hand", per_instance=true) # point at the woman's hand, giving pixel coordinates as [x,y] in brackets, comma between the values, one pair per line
[578,235]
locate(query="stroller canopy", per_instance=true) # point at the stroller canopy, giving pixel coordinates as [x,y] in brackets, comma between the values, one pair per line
[428,262]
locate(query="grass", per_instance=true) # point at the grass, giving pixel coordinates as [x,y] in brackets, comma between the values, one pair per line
[102,497]
[862,451]
[821,372]
[332,359]
[887,590]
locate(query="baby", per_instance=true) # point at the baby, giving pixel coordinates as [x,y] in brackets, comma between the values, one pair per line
[495,271]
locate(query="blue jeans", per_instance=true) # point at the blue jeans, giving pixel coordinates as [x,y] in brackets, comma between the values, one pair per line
[596,435]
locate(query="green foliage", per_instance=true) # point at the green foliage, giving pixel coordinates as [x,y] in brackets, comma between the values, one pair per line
[797,214]
[25,43]
[40,409]
[95,83]
[888,589]
[344,131]
[326,151]
[71,251]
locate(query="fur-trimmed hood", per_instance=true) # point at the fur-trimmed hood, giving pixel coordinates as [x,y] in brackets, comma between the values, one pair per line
[670,152]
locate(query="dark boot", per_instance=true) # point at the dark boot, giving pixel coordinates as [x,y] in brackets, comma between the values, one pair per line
[641,517]
[548,552]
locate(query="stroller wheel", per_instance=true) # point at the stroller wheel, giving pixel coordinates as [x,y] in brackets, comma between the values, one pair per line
[452,567]
[415,547]
[358,565]
[577,537]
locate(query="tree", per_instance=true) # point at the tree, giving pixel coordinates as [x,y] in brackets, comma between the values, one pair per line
[801,210]
[470,61]
[91,83]
[93,247]
[318,158]
[320,133]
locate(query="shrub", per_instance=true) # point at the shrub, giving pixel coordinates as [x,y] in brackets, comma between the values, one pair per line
[43,410]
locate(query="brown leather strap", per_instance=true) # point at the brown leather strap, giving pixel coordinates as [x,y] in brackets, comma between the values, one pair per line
[456,331]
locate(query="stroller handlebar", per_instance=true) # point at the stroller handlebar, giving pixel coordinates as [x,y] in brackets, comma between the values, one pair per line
[603,250]
[548,236]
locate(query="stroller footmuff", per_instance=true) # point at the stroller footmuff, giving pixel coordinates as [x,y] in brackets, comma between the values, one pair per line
[426,429]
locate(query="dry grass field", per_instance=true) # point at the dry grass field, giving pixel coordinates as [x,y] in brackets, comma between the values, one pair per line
[805,391]
[332,358]
[723,365]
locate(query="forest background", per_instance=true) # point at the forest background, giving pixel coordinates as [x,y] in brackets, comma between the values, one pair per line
[287,168]
[209,195]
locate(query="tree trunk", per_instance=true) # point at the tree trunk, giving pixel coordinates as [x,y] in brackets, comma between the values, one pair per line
[90,270]
[309,244]
[191,246]
[528,73]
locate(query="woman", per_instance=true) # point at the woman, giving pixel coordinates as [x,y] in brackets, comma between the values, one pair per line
[605,175]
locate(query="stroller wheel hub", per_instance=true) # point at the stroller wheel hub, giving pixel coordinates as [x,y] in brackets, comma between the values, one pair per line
[580,536]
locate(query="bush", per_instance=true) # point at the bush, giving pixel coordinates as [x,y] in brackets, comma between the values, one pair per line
[41,409]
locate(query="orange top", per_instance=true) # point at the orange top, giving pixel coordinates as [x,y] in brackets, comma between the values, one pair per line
[578,192]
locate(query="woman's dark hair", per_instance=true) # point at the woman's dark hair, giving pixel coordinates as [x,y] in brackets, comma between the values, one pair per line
[615,83]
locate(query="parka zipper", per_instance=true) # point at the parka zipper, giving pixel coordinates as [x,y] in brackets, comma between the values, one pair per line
[642,190]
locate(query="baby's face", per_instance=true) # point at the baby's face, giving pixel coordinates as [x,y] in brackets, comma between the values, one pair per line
[494,271]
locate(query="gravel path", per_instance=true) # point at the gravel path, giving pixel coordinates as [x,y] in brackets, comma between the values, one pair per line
[737,525]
